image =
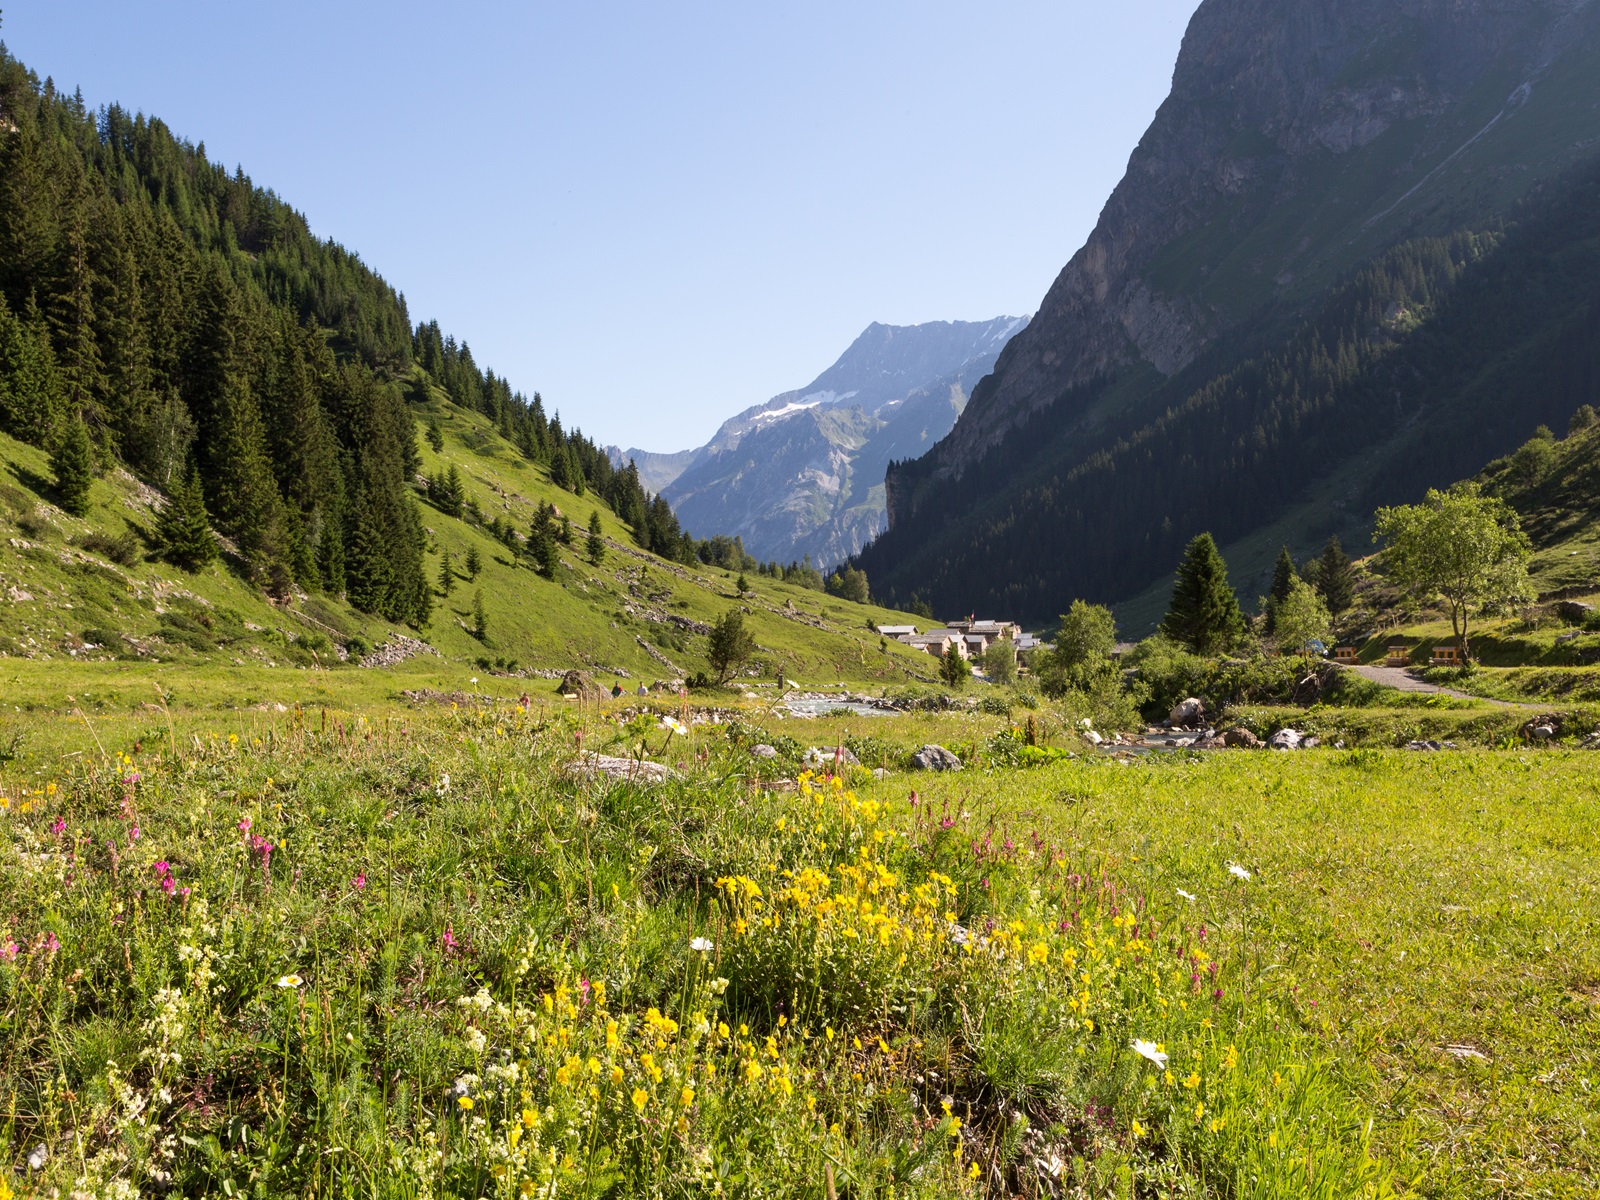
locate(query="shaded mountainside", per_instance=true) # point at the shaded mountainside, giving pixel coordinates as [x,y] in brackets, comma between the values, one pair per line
[803,473]
[1270,304]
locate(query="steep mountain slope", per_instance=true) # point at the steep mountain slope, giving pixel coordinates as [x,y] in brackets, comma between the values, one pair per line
[802,474]
[1301,141]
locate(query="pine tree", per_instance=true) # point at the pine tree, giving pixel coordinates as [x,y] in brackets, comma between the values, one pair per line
[30,390]
[447,575]
[435,435]
[1204,615]
[741,585]
[1283,579]
[73,466]
[474,563]
[183,530]
[480,618]
[596,546]
[1335,578]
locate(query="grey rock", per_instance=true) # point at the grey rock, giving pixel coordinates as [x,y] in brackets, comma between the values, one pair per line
[626,770]
[764,751]
[815,758]
[1430,745]
[1188,713]
[1574,612]
[935,758]
[1286,739]
[1241,739]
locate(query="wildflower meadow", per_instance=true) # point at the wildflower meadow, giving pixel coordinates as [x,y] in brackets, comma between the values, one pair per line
[417,956]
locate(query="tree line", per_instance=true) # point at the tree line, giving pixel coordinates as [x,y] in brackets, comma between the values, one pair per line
[161,314]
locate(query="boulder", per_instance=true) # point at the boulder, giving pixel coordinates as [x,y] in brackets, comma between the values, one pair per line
[1430,745]
[578,683]
[626,770]
[1241,739]
[1592,742]
[1286,739]
[1574,612]
[1090,736]
[762,750]
[824,759]
[935,758]
[1188,713]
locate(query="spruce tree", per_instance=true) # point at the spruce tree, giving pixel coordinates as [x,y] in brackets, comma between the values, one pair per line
[183,529]
[596,546]
[1204,615]
[1283,578]
[474,563]
[73,466]
[435,435]
[480,618]
[1335,578]
[447,575]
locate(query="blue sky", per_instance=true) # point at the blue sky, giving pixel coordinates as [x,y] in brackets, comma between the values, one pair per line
[654,214]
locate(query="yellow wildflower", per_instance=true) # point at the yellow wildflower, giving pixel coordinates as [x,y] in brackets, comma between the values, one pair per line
[640,1098]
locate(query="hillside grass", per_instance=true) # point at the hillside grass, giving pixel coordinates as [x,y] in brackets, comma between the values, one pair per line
[90,589]
[412,990]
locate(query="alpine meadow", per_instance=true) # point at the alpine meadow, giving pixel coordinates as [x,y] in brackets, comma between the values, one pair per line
[1141,749]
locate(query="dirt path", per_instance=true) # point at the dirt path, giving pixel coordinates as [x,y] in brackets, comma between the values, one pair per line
[1403,680]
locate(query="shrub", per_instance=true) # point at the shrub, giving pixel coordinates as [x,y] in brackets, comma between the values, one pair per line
[122,548]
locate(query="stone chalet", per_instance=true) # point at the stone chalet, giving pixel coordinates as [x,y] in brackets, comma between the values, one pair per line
[969,638]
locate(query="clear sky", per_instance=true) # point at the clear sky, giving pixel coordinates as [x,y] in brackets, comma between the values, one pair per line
[654,214]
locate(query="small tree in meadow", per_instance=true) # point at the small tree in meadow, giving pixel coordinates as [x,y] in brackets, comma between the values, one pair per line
[474,563]
[73,465]
[596,545]
[732,645]
[1459,546]
[1302,619]
[954,670]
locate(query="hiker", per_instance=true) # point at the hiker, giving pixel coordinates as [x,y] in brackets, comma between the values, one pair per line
[616,691]
[643,691]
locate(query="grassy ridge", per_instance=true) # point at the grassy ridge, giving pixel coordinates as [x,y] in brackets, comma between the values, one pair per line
[938,997]
[73,589]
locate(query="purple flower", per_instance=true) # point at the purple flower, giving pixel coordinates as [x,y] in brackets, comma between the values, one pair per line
[133,835]
[360,881]
[59,827]
[8,951]
[51,945]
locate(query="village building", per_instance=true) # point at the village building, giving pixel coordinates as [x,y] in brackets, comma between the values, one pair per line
[897,631]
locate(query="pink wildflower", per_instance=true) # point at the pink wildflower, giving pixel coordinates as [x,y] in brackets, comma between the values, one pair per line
[59,827]
[9,951]
[360,881]
[133,835]
[51,945]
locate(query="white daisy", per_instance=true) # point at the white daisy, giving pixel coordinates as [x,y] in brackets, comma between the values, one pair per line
[1237,871]
[704,945]
[1189,896]
[1148,1050]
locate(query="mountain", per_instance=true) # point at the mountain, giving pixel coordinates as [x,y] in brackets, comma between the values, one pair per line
[1211,357]
[803,473]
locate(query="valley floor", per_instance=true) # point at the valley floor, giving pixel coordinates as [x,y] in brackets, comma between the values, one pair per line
[402,950]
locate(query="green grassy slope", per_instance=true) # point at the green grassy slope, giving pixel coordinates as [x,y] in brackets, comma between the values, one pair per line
[64,596]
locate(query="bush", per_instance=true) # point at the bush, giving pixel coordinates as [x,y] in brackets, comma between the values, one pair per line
[357,647]
[96,635]
[123,548]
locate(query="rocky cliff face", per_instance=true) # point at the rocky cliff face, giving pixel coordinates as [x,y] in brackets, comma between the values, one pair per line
[1299,135]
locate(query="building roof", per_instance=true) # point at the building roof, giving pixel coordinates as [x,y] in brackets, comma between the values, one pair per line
[896,630]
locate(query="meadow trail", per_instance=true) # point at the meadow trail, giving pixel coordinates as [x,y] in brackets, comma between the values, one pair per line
[1402,680]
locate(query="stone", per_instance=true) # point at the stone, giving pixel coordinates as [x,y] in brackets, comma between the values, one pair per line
[935,758]
[624,770]
[824,759]
[1090,736]
[1574,612]
[763,750]
[578,683]
[1542,733]
[1430,745]
[1241,739]
[1188,713]
[881,773]
[1286,739]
